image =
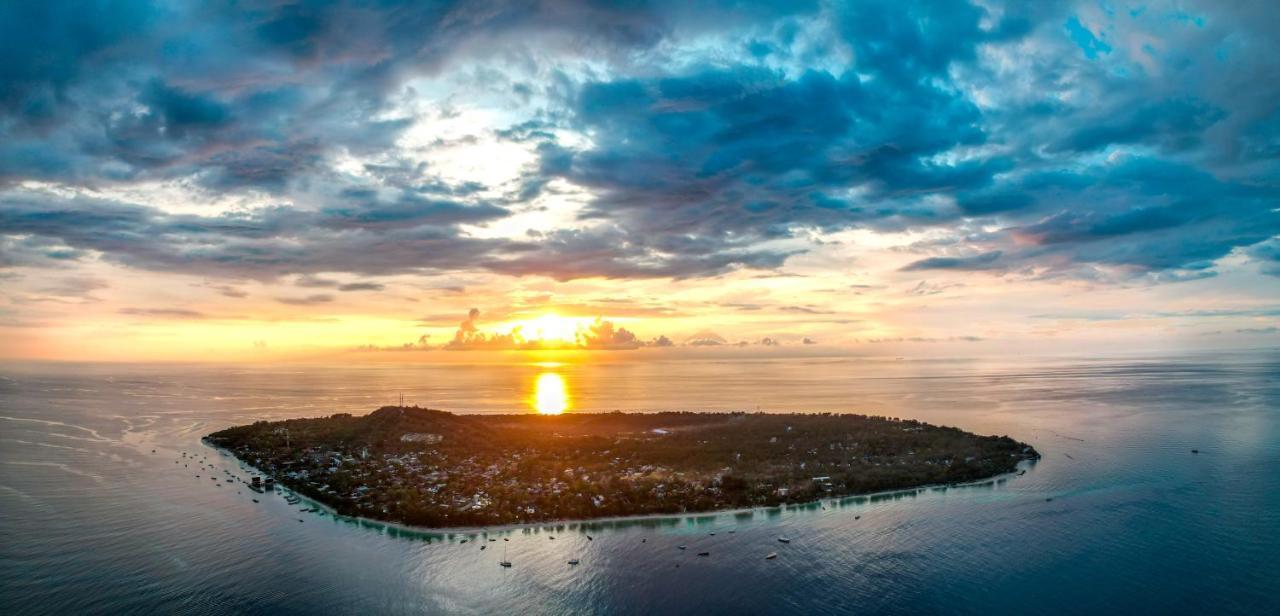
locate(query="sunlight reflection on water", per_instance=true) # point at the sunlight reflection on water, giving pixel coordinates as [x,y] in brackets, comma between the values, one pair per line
[550,396]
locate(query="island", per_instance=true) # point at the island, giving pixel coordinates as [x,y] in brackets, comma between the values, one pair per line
[437,469]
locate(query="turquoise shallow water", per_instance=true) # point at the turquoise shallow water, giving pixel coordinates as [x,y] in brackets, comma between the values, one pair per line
[92,521]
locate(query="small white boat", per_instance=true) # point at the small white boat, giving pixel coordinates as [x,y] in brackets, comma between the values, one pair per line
[771,556]
[784,540]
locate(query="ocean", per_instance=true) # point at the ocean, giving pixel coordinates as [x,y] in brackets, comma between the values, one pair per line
[1119,516]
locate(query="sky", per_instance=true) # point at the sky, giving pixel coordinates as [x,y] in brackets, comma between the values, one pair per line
[265,179]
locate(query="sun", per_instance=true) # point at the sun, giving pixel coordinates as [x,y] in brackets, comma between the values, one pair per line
[551,328]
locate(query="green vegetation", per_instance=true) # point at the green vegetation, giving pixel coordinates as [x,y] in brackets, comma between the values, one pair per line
[433,468]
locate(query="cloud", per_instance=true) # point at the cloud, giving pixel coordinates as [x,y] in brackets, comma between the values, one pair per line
[264,243]
[422,344]
[704,138]
[470,338]
[229,291]
[1267,254]
[325,283]
[309,300]
[75,287]
[986,260]
[163,313]
[600,335]
[925,339]
[361,286]
[925,288]
[604,335]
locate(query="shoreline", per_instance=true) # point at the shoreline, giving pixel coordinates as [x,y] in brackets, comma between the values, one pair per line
[1024,465]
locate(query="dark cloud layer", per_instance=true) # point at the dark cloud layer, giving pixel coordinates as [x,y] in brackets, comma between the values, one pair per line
[739,153]
[1142,142]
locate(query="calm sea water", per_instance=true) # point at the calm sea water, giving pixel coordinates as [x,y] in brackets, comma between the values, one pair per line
[92,521]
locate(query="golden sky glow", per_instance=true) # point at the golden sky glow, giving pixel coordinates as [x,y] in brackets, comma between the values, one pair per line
[126,315]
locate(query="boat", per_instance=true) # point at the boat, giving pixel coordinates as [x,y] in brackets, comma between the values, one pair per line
[771,556]
[589,538]
[255,500]
[483,547]
[704,553]
[784,540]
[684,547]
[573,562]
[505,563]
